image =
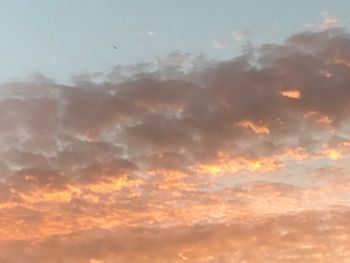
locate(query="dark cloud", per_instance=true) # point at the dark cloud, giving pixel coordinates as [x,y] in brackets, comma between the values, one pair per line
[154,163]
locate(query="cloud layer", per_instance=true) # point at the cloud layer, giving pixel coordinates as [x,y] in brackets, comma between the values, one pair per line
[243,160]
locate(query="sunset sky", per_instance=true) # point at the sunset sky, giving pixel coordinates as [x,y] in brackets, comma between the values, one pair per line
[217,132]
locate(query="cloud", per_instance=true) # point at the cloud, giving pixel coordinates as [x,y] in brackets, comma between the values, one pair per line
[302,237]
[185,159]
[329,22]
[151,33]
[241,35]
[295,94]
[143,32]
[220,44]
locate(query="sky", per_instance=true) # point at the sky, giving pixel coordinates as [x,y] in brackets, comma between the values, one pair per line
[217,132]
[64,38]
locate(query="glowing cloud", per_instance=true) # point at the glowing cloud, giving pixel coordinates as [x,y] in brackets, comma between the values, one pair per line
[294,94]
[256,128]
[183,160]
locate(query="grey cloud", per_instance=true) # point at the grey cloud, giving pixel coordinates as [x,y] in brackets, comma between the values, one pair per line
[127,152]
[194,113]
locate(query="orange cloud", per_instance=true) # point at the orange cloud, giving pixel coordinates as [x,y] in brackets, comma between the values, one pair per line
[162,164]
[225,163]
[319,118]
[294,94]
[256,128]
[333,154]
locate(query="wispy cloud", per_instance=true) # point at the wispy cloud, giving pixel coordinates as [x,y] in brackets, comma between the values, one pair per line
[220,44]
[241,35]
[329,22]
[149,33]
